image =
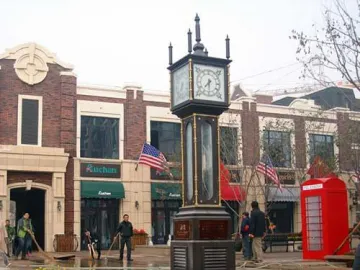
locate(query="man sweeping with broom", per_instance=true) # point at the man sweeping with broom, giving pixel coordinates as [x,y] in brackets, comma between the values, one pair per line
[24,229]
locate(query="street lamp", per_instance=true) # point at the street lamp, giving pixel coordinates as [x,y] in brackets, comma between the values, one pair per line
[199,95]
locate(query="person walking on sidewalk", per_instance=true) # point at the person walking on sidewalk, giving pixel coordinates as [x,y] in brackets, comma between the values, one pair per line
[257,231]
[9,240]
[245,229]
[125,229]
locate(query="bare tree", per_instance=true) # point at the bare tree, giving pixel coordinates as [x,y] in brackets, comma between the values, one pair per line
[333,47]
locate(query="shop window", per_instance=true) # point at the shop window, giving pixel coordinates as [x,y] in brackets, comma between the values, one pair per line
[100,216]
[358,213]
[164,175]
[355,157]
[322,146]
[166,137]
[229,145]
[285,177]
[30,120]
[278,146]
[236,176]
[99,137]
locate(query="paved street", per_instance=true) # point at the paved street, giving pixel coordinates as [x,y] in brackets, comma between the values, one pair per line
[160,261]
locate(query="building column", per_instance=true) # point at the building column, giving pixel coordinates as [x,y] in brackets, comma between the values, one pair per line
[4,199]
[77,211]
[58,204]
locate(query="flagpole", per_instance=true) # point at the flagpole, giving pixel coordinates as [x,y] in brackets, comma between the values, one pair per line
[137,164]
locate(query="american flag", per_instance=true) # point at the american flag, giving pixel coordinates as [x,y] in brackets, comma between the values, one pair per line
[265,167]
[356,176]
[152,157]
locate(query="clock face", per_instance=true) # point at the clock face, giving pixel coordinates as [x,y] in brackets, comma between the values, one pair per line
[181,85]
[209,83]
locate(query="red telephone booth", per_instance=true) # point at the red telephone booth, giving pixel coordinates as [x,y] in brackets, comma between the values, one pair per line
[324,215]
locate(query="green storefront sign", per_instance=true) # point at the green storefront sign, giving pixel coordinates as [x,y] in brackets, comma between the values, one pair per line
[100,170]
[166,191]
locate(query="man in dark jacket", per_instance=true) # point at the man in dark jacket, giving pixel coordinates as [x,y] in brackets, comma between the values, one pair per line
[245,229]
[257,230]
[125,229]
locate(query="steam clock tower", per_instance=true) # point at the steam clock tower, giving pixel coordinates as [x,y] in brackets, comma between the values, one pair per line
[199,95]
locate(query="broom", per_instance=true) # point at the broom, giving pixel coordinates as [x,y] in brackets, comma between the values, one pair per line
[90,247]
[39,248]
[107,254]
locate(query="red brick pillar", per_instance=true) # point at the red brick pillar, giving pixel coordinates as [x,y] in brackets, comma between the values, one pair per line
[250,134]
[301,148]
[345,138]
[135,123]
[68,142]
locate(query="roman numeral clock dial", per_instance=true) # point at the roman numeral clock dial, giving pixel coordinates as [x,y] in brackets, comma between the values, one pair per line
[209,83]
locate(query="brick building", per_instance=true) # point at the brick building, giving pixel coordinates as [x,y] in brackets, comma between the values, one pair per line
[68,152]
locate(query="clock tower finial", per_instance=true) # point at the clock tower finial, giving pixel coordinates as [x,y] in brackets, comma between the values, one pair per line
[198,47]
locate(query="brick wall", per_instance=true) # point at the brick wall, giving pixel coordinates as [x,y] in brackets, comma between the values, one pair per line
[37,177]
[135,124]
[300,142]
[68,142]
[58,127]
[250,134]
[11,86]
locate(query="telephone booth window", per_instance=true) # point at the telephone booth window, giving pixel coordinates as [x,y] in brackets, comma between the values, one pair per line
[314,223]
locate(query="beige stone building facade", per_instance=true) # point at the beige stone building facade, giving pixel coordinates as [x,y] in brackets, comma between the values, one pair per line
[68,152]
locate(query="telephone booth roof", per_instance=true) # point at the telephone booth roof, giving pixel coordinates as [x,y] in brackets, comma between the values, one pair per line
[327,183]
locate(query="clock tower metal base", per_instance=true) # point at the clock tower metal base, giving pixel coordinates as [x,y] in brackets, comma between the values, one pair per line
[201,240]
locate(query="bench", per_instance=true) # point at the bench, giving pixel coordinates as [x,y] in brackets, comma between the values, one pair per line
[280,239]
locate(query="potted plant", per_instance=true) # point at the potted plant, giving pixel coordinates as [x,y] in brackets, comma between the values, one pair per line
[139,237]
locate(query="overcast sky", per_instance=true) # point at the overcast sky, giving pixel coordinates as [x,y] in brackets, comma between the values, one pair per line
[113,42]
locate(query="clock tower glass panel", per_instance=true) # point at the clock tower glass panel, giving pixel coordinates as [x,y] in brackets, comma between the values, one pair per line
[181,85]
[209,83]
[207,161]
[189,162]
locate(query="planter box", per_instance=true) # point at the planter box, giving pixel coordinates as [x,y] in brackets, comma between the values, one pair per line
[64,242]
[139,239]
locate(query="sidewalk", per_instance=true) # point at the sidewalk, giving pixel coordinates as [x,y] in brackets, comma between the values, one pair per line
[158,258]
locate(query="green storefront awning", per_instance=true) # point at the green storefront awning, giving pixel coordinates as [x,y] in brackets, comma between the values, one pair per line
[165,191]
[102,190]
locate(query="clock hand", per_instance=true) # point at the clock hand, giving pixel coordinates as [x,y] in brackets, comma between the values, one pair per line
[208,84]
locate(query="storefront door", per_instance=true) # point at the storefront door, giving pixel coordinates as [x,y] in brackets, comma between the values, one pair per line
[163,213]
[281,214]
[101,215]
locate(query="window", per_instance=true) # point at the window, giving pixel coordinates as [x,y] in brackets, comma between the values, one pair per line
[30,120]
[229,145]
[322,146]
[277,145]
[99,137]
[355,157]
[166,137]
